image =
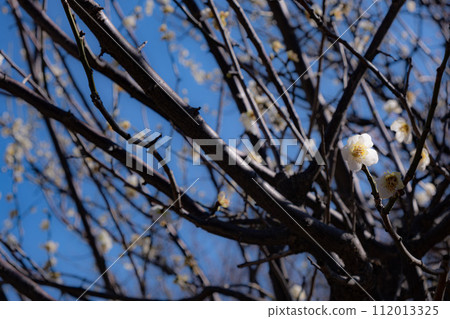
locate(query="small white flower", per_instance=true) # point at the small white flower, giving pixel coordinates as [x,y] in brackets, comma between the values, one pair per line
[182,281]
[128,266]
[105,241]
[279,124]
[430,189]
[222,200]
[423,197]
[51,262]
[130,21]
[366,25]
[51,246]
[289,169]
[411,6]
[297,292]
[12,241]
[411,97]
[45,224]
[168,9]
[247,119]
[358,151]
[424,161]
[149,7]
[255,157]
[402,131]
[125,125]
[206,14]
[317,9]
[389,184]
[340,11]
[71,212]
[261,100]
[276,45]
[133,180]
[392,106]
[157,209]
[292,56]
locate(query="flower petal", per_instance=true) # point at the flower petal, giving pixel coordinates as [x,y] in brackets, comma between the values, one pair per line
[366,140]
[398,175]
[384,192]
[354,165]
[430,189]
[346,153]
[400,136]
[381,187]
[352,139]
[408,139]
[398,124]
[394,126]
[371,157]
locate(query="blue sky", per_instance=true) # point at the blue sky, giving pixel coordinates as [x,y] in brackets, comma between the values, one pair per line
[74,256]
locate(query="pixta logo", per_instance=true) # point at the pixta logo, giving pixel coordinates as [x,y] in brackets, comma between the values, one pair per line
[140,148]
[308,150]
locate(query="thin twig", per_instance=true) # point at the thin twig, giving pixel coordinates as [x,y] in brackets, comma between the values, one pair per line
[95,97]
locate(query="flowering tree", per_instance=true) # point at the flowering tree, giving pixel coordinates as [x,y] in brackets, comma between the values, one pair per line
[298,150]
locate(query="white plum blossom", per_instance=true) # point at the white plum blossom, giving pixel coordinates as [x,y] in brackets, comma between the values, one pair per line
[141,241]
[392,106]
[125,125]
[105,241]
[424,161]
[222,200]
[389,184]
[366,25]
[71,212]
[402,131]
[276,45]
[278,122]
[411,6]
[206,13]
[429,188]
[168,9]
[423,197]
[149,5]
[130,21]
[134,181]
[260,3]
[343,9]
[45,224]
[317,9]
[292,56]
[50,246]
[182,281]
[297,292]
[255,156]
[51,262]
[411,97]
[360,42]
[358,151]
[247,119]
[12,241]
[157,209]
[260,99]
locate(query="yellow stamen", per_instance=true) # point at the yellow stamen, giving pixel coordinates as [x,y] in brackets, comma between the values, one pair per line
[404,128]
[359,151]
[391,182]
